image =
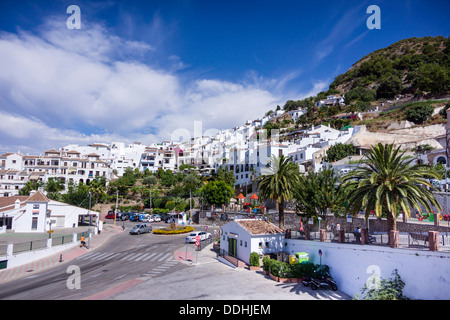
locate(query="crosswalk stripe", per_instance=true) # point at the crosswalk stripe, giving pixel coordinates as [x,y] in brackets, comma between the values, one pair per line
[158,256]
[101,256]
[90,255]
[142,256]
[149,257]
[167,255]
[113,255]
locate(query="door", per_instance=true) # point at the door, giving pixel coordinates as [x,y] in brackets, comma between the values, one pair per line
[232,247]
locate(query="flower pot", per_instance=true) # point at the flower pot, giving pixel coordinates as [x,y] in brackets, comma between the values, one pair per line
[283,280]
[266,272]
[274,277]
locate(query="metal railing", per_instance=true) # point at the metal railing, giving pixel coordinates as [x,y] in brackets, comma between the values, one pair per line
[405,240]
[229,257]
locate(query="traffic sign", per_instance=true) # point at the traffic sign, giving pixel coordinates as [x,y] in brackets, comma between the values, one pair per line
[206,228]
[197,243]
[320,252]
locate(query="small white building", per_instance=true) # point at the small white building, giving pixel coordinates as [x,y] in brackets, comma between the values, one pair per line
[243,236]
[39,214]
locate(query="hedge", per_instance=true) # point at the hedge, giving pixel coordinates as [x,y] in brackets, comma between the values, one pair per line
[254,259]
[296,270]
[177,231]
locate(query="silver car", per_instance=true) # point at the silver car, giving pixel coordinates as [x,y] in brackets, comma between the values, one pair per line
[141,228]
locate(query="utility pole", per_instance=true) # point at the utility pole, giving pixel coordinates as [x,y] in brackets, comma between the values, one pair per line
[115,211]
[90,219]
[150,201]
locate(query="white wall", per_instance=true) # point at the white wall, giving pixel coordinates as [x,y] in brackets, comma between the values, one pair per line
[426,274]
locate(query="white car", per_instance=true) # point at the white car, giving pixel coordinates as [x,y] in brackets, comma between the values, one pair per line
[156,218]
[202,234]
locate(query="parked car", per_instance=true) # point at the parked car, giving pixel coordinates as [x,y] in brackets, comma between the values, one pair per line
[110,216]
[141,228]
[156,218]
[202,234]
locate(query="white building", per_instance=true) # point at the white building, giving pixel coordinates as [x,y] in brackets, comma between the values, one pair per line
[241,237]
[37,213]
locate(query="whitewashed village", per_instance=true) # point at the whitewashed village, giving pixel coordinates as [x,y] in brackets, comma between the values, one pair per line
[298,197]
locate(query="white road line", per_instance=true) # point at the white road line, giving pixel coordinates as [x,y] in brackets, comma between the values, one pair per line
[90,255]
[167,255]
[101,256]
[113,256]
[158,256]
[150,256]
[142,256]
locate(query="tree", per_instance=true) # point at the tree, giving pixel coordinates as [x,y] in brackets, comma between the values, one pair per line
[97,187]
[278,182]
[30,186]
[389,87]
[319,192]
[53,187]
[419,112]
[340,151]
[149,180]
[217,192]
[388,183]
[224,175]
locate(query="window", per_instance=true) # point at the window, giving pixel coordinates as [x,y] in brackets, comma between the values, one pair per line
[246,244]
[260,245]
[267,244]
[240,243]
[34,223]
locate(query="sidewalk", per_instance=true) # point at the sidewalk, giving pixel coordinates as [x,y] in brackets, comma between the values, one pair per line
[36,266]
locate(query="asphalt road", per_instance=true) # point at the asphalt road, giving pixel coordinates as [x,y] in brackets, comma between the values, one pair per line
[122,262]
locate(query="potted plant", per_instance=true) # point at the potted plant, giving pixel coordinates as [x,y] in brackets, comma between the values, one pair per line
[266,265]
[284,272]
[275,266]
[254,261]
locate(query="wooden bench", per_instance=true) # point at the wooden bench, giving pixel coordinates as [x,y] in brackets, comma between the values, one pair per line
[416,237]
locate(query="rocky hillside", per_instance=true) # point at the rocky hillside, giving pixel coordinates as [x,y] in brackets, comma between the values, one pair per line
[416,66]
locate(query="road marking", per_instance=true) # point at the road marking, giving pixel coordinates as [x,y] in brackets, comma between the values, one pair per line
[142,257]
[113,256]
[149,257]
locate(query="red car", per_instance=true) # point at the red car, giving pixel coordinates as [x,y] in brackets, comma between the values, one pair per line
[110,216]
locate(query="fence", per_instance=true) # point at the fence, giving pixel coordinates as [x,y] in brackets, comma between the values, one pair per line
[229,257]
[405,240]
[21,247]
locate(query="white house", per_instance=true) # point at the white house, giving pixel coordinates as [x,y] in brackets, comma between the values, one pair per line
[243,236]
[37,213]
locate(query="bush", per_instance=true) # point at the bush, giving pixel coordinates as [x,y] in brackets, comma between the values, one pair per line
[391,289]
[254,259]
[175,231]
[266,263]
[419,113]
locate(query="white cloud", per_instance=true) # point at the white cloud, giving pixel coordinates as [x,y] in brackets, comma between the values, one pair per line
[63,86]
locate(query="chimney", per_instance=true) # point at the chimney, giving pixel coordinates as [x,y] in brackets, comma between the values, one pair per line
[17,204]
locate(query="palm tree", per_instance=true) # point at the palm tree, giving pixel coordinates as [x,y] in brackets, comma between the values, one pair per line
[389,183]
[278,182]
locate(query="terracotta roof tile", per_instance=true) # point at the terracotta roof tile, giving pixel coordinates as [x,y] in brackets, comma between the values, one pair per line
[259,227]
[38,197]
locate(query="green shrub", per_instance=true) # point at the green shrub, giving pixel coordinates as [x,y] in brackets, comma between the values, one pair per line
[266,263]
[419,113]
[387,289]
[176,231]
[254,259]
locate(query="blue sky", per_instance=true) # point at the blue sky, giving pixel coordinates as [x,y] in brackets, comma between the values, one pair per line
[140,70]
